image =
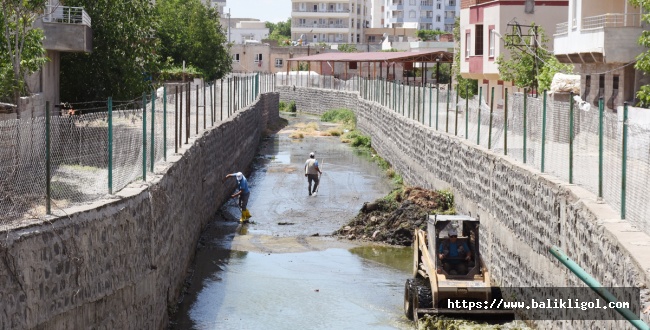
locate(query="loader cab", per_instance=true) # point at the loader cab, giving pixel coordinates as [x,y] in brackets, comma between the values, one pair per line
[438,229]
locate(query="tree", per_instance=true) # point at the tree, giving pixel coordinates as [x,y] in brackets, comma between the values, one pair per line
[466,88]
[643,59]
[427,35]
[123,56]
[280,31]
[530,65]
[198,40]
[347,48]
[21,47]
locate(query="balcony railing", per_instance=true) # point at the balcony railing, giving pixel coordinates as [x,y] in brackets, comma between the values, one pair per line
[611,20]
[322,26]
[562,28]
[426,3]
[69,15]
[311,10]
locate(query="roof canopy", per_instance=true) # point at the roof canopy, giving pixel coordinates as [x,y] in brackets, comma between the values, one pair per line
[389,57]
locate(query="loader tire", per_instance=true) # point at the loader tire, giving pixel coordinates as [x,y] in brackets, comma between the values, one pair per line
[421,297]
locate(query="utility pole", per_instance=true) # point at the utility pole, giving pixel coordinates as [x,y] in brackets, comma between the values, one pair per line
[523,46]
[228,25]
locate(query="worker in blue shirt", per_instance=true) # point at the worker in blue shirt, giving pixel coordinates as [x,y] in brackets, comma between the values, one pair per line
[243,192]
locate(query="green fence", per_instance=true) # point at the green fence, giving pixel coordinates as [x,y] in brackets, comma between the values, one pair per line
[98,148]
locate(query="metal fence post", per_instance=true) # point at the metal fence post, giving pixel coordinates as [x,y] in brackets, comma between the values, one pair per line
[505,124]
[144,136]
[153,129]
[544,131]
[491,115]
[196,117]
[165,122]
[601,109]
[110,145]
[456,117]
[570,138]
[478,131]
[430,103]
[624,162]
[467,111]
[437,103]
[48,161]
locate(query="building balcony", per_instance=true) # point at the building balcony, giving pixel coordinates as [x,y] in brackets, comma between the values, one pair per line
[608,38]
[396,20]
[67,29]
[394,7]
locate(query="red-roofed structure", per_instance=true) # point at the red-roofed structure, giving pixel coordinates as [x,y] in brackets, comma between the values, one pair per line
[373,62]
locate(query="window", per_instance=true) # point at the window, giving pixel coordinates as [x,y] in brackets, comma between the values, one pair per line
[478,43]
[278,62]
[412,14]
[492,42]
[438,6]
[258,58]
[467,40]
[371,38]
[437,18]
[235,58]
[302,21]
[452,3]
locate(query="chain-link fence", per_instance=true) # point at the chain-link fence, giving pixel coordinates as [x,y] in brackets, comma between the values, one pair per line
[98,148]
[578,146]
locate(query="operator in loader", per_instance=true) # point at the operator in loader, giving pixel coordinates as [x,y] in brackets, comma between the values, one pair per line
[454,254]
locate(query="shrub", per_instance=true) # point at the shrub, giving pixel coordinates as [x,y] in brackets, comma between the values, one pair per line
[292,106]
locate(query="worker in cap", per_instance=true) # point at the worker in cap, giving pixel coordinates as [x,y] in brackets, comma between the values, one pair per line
[454,254]
[243,192]
[312,172]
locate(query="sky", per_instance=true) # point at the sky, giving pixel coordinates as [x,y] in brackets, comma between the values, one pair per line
[264,10]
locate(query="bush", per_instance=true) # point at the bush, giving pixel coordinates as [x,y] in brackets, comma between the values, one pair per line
[343,116]
[292,106]
[284,107]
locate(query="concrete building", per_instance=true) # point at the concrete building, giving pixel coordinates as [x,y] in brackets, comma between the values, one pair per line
[600,37]
[262,57]
[66,29]
[216,4]
[419,14]
[482,25]
[248,31]
[334,21]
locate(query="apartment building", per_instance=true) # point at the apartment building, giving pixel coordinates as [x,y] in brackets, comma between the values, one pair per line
[334,21]
[419,14]
[482,25]
[600,37]
[216,4]
[248,31]
[262,57]
[66,29]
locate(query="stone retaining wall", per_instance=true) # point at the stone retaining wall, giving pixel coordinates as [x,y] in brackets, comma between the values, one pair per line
[119,264]
[522,211]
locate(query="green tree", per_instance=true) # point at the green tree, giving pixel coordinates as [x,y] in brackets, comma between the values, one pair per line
[466,87]
[279,31]
[21,48]
[530,65]
[347,48]
[643,59]
[191,31]
[427,35]
[123,56]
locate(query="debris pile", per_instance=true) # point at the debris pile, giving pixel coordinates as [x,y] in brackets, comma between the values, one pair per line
[393,218]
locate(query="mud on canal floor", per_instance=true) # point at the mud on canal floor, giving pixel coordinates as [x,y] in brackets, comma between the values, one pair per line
[285,270]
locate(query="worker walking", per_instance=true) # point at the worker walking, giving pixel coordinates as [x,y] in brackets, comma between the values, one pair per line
[243,192]
[312,173]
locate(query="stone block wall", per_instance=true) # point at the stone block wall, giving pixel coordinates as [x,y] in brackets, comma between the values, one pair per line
[523,212]
[119,263]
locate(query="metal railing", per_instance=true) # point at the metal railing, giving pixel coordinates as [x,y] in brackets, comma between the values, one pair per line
[322,26]
[311,10]
[611,20]
[69,15]
[562,28]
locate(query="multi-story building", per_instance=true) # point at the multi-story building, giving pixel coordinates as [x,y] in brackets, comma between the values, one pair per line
[247,31]
[216,4]
[66,29]
[600,37]
[484,22]
[333,21]
[419,14]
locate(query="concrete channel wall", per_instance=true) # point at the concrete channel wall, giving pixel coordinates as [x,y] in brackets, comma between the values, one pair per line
[120,263]
[523,212]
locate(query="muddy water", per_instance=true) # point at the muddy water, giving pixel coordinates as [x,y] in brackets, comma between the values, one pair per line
[283,271]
